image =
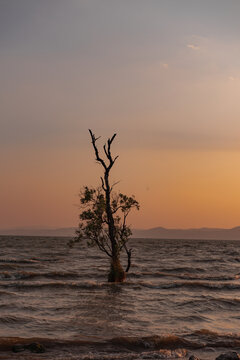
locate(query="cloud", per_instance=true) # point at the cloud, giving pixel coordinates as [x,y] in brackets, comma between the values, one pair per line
[234,78]
[165,65]
[193,47]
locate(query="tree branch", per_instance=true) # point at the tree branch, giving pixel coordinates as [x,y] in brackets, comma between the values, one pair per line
[129,255]
[103,184]
[114,184]
[94,139]
[107,151]
[101,247]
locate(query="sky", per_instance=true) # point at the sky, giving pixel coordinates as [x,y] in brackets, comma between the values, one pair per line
[162,74]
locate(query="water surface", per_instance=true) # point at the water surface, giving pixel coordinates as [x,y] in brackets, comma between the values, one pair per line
[181,296]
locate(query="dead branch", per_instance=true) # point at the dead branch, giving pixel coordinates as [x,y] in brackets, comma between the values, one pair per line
[107,151]
[94,139]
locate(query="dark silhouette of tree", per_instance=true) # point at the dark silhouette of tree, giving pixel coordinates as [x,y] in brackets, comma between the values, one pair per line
[104,214]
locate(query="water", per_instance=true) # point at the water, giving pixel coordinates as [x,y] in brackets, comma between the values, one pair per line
[180,297]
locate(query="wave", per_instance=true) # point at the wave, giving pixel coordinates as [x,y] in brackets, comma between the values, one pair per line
[31,260]
[218,340]
[214,334]
[24,275]
[6,266]
[212,302]
[10,293]
[186,269]
[11,319]
[156,342]
[56,284]
[95,350]
[188,275]
[202,339]
[170,342]
[230,286]
[192,285]
[19,261]
[205,339]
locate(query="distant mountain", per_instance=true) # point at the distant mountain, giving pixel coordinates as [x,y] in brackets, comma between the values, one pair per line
[154,233]
[191,234]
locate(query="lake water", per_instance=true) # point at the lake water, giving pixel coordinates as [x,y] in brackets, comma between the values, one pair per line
[181,297]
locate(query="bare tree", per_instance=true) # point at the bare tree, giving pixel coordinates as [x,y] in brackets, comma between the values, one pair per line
[104,214]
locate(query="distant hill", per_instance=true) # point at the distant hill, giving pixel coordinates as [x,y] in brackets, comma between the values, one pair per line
[154,233]
[191,234]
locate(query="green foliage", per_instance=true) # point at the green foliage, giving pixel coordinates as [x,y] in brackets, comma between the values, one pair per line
[94,227]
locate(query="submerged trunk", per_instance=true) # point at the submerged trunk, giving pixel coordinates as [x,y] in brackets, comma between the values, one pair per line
[116,273]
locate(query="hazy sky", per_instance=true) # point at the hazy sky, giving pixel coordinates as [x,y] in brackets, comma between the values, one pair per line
[163,74]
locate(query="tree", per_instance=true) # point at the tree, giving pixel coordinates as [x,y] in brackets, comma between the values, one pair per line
[104,214]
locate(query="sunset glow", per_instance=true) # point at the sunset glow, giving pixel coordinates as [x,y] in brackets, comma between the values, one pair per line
[163,75]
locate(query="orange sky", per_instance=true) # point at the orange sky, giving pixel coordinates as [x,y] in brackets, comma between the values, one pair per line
[164,75]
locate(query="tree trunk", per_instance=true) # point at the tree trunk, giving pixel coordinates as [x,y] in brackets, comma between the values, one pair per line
[116,273]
